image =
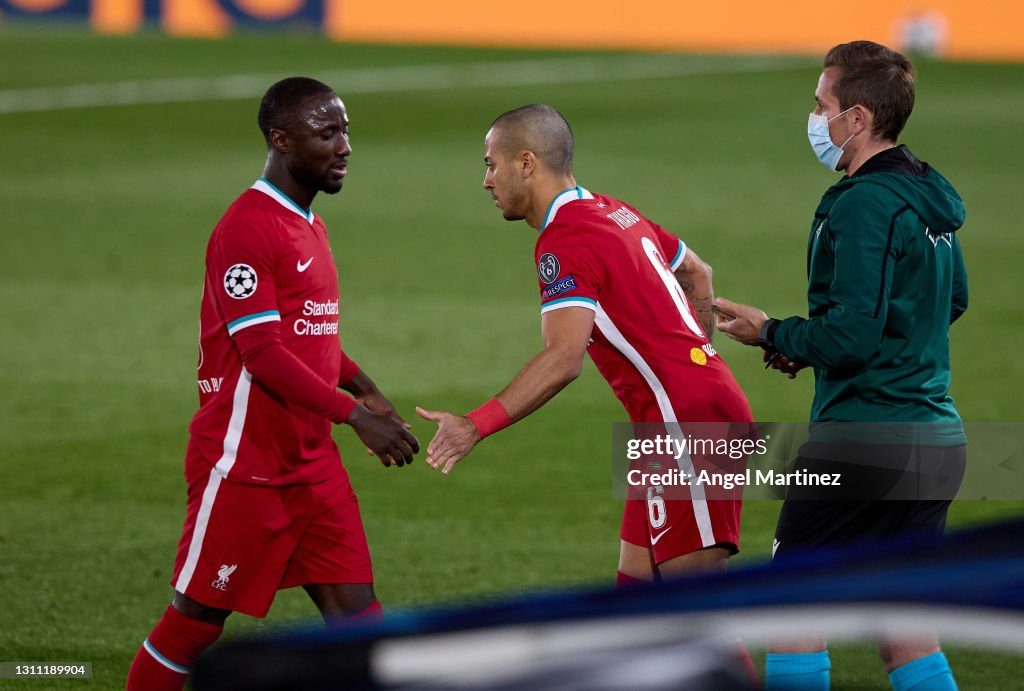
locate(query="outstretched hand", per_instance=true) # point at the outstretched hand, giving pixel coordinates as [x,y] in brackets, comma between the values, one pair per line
[739,322]
[375,402]
[455,438]
[388,439]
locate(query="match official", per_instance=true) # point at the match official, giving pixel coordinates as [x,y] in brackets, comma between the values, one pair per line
[886,278]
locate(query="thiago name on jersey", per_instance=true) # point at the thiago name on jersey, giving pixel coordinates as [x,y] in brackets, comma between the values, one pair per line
[312,308]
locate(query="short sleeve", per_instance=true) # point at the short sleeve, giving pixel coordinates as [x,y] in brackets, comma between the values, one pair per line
[569,271]
[241,265]
[672,247]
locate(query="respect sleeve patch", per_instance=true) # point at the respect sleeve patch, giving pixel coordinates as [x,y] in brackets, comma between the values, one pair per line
[562,286]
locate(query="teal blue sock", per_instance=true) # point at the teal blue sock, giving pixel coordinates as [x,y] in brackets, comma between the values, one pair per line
[797,672]
[930,673]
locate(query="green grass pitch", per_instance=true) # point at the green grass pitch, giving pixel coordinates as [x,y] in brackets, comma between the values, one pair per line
[106,212]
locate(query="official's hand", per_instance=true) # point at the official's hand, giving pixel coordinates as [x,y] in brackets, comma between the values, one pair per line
[386,438]
[739,322]
[375,402]
[455,438]
[784,364]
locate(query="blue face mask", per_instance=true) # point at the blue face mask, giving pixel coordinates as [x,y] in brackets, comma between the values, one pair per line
[821,141]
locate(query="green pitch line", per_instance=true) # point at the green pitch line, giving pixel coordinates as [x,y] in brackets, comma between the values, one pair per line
[382,80]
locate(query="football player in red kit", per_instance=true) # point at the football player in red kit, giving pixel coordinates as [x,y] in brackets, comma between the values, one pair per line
[269,502]
[634,296]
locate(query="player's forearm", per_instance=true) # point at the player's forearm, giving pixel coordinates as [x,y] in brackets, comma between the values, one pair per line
[360,384]
[545,375]
[694,278]
[367,393]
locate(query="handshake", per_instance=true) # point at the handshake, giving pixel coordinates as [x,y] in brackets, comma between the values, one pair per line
[386,435]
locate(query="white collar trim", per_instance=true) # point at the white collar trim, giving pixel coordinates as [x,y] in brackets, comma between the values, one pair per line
[563,198]
[281,198]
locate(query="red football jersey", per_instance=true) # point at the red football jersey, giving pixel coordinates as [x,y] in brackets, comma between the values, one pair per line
[268,260]
[599,253]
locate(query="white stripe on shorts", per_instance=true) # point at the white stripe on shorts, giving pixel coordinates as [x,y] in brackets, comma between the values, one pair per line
[685,463]
[239,406]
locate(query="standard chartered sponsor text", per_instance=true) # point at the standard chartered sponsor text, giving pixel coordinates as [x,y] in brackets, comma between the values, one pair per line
[312,308]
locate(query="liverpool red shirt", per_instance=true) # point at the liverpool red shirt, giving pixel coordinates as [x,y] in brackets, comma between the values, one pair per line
[268,262]
[601,254]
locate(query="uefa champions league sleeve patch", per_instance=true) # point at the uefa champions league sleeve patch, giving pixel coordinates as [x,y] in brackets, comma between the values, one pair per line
[548,268]
[240,281]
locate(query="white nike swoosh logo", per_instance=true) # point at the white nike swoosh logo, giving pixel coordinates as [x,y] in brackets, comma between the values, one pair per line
[654,540]
[302,267]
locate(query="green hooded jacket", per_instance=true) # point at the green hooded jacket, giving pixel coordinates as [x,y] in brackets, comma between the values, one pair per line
[886,278]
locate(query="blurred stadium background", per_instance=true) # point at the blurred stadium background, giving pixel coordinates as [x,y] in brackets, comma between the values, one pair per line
[128,126]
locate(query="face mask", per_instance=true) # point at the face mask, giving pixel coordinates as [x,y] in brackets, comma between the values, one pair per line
[821,141]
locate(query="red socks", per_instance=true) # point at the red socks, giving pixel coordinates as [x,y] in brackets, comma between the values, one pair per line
[622,579]
[164,660]
[372,611]
[748,664]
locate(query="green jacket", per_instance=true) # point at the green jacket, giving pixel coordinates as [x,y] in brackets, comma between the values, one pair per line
[886,278]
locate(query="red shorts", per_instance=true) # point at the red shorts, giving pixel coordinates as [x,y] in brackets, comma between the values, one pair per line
[244,542]
[673,527]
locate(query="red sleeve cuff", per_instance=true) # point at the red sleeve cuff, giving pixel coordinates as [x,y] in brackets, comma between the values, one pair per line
[346,404]
[349,369]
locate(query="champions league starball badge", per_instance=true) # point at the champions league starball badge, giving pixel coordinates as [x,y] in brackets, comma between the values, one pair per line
[240,281]
[548,268]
